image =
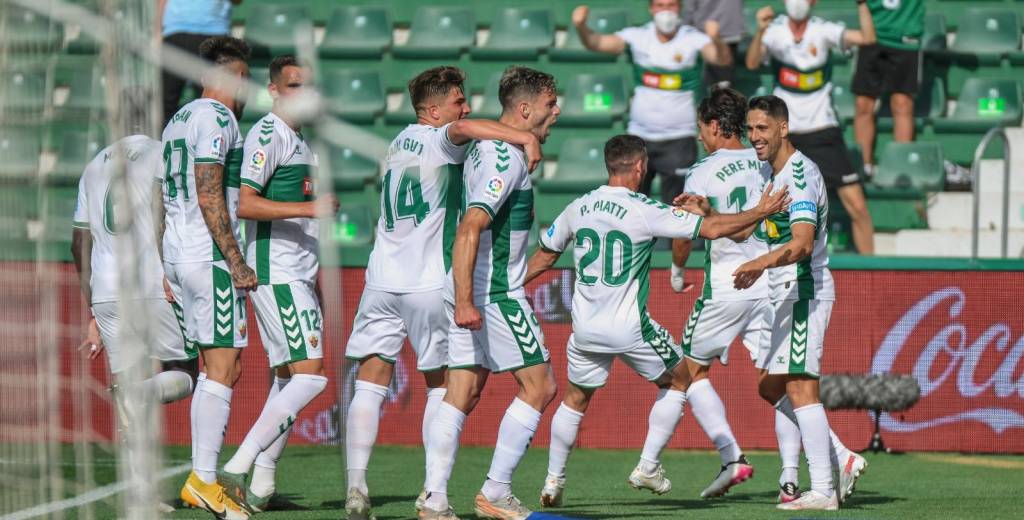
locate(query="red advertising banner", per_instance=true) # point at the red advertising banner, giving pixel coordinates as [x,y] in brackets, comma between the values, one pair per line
[960,334]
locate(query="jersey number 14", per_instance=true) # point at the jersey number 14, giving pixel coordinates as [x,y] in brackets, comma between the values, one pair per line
[408,199]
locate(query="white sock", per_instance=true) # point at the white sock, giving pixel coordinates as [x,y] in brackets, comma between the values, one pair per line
[212,413]
[192,413]
[789,448]
[169,386]
[661,424]
[361,431]
[564,427]
[837,449]
[514,435]
[434,398]
[263,470]
[677,270]
[444,444]
[814,433]
[707,407]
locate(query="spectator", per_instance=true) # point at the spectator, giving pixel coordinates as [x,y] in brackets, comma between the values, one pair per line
[890,66]
[666,68]
[733,28]
[185,24]
[798,47]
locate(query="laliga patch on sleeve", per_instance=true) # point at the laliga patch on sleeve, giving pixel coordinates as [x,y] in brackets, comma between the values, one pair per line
[495,185]
[803,205]
[679,213]
[257,160]
[217,144]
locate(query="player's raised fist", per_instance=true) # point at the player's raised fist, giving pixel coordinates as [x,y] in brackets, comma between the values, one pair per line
[243,277]
[467,316]
[712,29]
[534,155]
[765,16]
[579,15]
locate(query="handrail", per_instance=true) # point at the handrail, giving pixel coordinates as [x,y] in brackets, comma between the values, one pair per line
[976,179]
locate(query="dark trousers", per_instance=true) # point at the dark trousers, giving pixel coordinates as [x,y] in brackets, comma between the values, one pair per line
[173,85]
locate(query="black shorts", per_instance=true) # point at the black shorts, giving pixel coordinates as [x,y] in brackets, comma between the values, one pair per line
[884,70]
[671,160]
[828,150]
[721,74]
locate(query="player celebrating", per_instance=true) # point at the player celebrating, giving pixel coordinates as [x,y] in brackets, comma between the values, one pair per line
[614,228]
[202,150]
[99,216]
[493,327]
[421,198]
[799,46]
[802,293]
[283,240]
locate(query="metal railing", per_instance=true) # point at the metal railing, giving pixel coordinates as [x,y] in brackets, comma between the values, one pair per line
[976,180]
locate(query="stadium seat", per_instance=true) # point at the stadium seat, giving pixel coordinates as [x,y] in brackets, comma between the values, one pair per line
[28,31]
[351,171]
[439,32]
[983,104]
[604,21]
[593,100]
[491,107]
[86,96]
[271,28]
[404,114]
[77,148]
[517,34]
[988,31]
[19,152]
[24,90]
[353,226]
[843,101]
[908,170]
[580,167]
[891,215]
[18,205]
[357,31]
[259,101]
[354,95]
[934,37]
[929,104]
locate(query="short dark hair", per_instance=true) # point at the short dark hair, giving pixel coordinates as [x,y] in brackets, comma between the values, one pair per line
[433,83]
[517,82]
[771,105]
[621,151]
[224,49]
[728,107]
[278,64]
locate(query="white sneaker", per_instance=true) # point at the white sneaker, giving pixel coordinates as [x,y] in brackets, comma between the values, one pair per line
[656,481]
[812,500]
[676,279]
[508,508]
[357,506]
[421,500]
[732,474]
[551,495]
[849,471]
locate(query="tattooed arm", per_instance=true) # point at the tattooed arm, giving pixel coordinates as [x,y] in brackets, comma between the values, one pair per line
[210,189]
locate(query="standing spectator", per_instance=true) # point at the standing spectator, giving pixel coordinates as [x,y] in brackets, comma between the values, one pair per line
[186,24]
[798,47]
[733,28]
[666,67]
[890,66]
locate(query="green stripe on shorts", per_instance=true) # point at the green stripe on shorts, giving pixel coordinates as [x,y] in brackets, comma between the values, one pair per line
[290,322]
[519,322]
[662,346]
[223,309]
[191,349]
[798,337]
[691,325]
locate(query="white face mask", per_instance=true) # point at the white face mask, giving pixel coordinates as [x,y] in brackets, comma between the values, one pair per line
[667,21]
[798,9]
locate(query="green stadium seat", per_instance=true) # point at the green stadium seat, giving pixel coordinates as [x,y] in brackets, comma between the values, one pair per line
[908,170]
[843,101]
[439,32]
[580,167]
[491,107]
[355,95]
[350,170]
[28,31]
[86,94]
[18,205]
[517,34]
[604,21]
[988,31]
[271,27]
[594,100]
[24,90]
[929,104]
[983,104]
[891,215]
[354,225]
[258,102]
[19,152]
[77,148]
[934,37]
[404,113]
[357,31]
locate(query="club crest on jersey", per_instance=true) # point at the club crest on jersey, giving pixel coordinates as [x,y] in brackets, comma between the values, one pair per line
[217,144]
[679,213]
[313,341]
[241,330]
[307,186]
[494,188]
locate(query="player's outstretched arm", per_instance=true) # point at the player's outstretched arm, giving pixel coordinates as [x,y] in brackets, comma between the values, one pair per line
[595,41]
[541,261]
[755,53]
[722,225]
[798,248]
[465,130]
[467,240]
[717,52]
[866,34]
[210,191]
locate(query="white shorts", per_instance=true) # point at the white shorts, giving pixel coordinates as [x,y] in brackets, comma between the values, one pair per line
[214,310]
[510,339]
[385,319]
[588,369]
[714,324]
[165,335]
[290,322]
[795,343]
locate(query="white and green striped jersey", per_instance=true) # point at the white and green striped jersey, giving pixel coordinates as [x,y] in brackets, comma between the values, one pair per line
[203,131]
[612,232]
[808,279]
[98,212]
[414,233]
[732,181]
[279,165]
[498,182]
